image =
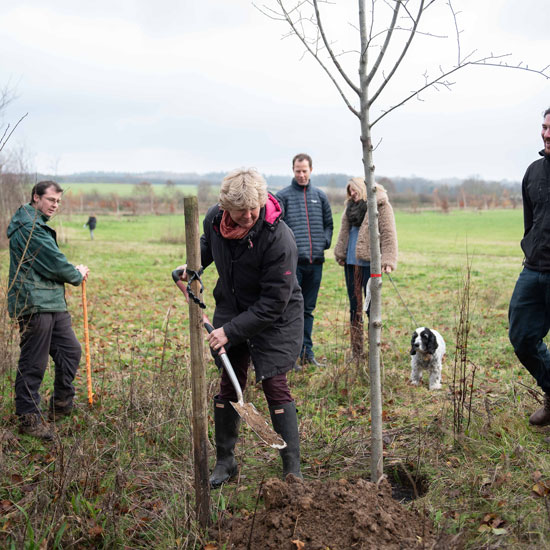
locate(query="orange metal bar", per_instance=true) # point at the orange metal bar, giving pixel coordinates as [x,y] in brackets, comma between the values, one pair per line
[87,344]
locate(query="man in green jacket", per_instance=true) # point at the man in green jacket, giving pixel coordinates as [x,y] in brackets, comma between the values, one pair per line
[36,298]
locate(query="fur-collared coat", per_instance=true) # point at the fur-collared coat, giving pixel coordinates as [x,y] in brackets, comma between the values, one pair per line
[388,234]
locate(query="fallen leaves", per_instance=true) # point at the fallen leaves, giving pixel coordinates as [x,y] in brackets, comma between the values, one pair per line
[541,487]
[5,506]
[95,531]
[494,524]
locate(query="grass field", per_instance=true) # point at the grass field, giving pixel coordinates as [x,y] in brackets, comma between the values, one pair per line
[121,474]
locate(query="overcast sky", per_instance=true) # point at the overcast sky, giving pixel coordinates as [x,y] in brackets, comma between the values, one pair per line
[209,85]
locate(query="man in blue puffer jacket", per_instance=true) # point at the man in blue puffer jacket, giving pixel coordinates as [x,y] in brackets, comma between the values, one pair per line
[307,212]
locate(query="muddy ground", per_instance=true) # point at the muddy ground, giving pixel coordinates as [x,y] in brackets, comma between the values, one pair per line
[330,515]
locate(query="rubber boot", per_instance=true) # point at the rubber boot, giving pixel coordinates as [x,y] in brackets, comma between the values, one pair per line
[226,421]
[541,417]
[285,423]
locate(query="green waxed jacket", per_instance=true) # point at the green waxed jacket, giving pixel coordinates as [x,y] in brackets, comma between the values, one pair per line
[38,269]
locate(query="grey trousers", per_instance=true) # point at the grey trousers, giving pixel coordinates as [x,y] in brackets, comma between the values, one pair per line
[44,335]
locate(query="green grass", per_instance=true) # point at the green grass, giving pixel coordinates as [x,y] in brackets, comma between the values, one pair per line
[121,473]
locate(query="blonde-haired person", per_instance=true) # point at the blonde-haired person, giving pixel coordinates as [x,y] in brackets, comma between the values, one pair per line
[259,313]
[353,250]
[242,189]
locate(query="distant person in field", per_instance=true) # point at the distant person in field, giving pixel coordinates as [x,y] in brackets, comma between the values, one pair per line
[36,298]
[307,212]
[259,310]
[91,223]
[352,250]
[529,312]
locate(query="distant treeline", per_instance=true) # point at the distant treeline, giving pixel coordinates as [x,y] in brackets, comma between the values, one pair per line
[163,192]
[412,184]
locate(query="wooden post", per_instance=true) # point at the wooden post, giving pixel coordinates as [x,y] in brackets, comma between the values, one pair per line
[198,374]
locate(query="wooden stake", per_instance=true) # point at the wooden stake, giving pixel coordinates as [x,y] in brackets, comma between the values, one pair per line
[87,344]
[198,373]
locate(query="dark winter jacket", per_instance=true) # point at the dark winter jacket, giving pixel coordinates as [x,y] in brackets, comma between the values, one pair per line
[258,299]
[307,212]
[536,214]
[92,222]
[38,269]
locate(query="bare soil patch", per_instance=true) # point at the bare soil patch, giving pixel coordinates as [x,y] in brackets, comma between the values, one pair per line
[330,515]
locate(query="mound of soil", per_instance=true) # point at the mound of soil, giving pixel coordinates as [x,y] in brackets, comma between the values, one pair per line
[335,515]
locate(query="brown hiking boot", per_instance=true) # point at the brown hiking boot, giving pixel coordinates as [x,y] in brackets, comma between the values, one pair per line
[32,424]
[542,416]
[60,409]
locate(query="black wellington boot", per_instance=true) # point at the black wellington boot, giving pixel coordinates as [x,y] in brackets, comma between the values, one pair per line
[226,421]
[285,423]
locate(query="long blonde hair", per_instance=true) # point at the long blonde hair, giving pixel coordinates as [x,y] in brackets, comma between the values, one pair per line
[357,184]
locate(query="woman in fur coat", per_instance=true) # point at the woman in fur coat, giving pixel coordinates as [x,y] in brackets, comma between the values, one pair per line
[353,250]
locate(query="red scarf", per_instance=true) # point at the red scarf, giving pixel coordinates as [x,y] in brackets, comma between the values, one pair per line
[229,229]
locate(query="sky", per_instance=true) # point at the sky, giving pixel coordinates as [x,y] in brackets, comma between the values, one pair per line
[211,85]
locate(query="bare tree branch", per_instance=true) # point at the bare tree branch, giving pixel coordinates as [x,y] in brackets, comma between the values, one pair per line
[488,61]
[7,95]
[404,51]
[285,16]
[454,14]
[4,139]
[386,42]
[331,53]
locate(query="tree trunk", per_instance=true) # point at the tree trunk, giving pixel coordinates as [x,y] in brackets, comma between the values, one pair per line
[375,319]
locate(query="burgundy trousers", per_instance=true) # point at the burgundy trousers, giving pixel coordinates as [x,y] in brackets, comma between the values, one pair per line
[276,389]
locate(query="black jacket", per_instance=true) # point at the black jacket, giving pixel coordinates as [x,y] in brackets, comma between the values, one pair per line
[258,299]
[536,214]
[307,212]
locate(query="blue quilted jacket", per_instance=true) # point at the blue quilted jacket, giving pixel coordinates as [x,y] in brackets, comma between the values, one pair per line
[307,212]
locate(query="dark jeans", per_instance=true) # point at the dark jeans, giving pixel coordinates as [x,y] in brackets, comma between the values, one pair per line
[529,316]
[309,278]
[275,389]
[357,277]
[44,334]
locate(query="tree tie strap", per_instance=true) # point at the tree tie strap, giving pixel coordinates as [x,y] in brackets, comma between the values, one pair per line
[195,276]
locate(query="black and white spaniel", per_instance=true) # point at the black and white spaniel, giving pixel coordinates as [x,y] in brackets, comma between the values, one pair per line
[427,351]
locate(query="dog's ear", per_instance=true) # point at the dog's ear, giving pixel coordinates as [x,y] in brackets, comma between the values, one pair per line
[431,344]
[413,338]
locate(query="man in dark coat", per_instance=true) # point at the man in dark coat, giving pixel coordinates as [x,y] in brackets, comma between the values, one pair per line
[259,310]
[307,212]
[91,223]
[530,304]
[36,298]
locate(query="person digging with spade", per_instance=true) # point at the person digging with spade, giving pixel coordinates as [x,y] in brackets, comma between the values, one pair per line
[259,312]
